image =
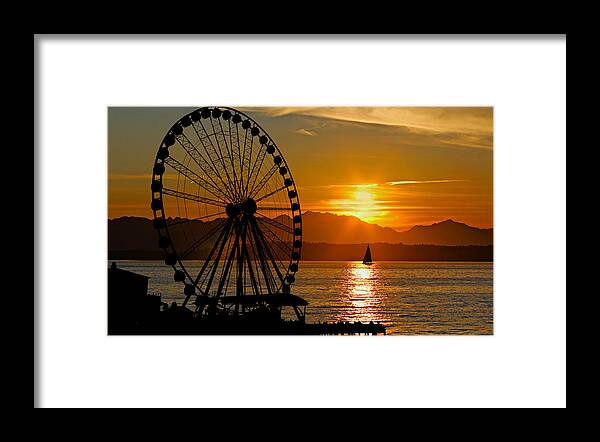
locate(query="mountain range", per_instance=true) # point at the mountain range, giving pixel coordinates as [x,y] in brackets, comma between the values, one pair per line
[135,233]
[341,229]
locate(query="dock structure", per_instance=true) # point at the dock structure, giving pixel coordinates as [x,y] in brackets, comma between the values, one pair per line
[132,311]
[191,326]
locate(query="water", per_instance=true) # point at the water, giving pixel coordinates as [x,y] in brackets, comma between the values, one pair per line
[408,297]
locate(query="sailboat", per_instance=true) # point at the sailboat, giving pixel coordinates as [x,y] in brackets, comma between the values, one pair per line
[367,259]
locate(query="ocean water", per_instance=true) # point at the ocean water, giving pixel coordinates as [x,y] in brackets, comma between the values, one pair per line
[410,298]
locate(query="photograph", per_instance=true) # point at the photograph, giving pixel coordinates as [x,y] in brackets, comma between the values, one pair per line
[300,220]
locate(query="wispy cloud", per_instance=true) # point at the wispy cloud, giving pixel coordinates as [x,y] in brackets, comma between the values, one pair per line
[400,183]
[453,126]
[442,119]
[385,184]
[348,186]
[310,131]
[306,132]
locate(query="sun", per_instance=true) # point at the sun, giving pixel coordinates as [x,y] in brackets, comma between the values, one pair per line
[363,204]
[363,196]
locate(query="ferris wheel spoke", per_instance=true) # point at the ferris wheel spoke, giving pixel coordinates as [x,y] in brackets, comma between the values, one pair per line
[274,255]
[227,260]
[246,254]
[270,194]
[189,220]
[239,151]
[226,288]
[267,249]
[211,164]
[256,187]
[249,162]
[239,280]
[202,240]
[231,155]
[231,255]
[219,243]
[218,136]
[260,157]
[256,259]
[229,150]
[219,154]
[215,265]
[194,177]
[243,159]
[274,223]
[207,260]
[275,239]
[272,208]
[198,158]
[191,197]
[262,259]
[284,246]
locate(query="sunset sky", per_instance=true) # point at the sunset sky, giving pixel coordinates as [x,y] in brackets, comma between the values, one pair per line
[395,167]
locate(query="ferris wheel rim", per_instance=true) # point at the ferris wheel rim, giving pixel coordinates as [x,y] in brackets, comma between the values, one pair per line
[175,259]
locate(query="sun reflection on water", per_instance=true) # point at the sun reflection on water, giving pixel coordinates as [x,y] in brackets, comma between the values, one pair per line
[363,299]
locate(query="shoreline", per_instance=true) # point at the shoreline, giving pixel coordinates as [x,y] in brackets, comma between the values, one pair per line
[381,252]
[110,258]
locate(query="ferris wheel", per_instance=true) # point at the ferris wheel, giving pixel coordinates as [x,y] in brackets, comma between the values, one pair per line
[226,209]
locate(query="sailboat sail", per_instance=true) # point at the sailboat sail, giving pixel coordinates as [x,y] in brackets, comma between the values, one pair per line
[367,259]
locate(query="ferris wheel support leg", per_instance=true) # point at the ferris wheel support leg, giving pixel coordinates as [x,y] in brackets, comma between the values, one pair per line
[207,260]
[240,268]
[267,249]
[250,268]
[227,268]
[262,259]
[218,258]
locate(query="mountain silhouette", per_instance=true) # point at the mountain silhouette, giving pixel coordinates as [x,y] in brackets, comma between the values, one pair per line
[135,233]
[449,233]
[342,229]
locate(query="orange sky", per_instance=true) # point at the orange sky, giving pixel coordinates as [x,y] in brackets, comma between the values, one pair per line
[395,167]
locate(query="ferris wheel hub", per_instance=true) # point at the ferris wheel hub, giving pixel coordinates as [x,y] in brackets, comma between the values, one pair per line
[248,207]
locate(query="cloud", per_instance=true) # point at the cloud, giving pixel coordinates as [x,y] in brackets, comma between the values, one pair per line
[305,132]
[385,184]
[310,131]
[454,126]
[399,183]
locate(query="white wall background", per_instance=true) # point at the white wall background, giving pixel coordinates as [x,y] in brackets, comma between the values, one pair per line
[523,365]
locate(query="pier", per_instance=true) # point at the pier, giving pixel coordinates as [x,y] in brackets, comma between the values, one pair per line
[132,311]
